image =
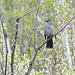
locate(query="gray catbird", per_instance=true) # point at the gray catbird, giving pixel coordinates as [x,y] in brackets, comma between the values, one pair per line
[49,31]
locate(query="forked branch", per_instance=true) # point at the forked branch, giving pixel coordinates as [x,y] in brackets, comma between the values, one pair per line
[14,45]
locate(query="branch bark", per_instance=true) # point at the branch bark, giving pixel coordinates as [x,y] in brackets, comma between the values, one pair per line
[5,38]
[35,24]
[2,68]
[32,59]
[57,32]
[37,49]
[28,37]
[14,45]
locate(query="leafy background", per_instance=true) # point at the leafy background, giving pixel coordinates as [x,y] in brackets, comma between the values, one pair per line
[56,61]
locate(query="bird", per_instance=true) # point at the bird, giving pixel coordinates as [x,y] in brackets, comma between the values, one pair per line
[49,31]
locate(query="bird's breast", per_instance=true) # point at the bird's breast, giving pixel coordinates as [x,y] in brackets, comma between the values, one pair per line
[49,30]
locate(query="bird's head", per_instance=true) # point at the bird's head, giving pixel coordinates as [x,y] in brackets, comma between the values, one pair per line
[49,22]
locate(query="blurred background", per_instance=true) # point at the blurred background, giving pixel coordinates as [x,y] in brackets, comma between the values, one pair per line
[57,61]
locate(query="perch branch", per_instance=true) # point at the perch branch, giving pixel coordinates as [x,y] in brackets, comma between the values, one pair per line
[31,62]
[57,32]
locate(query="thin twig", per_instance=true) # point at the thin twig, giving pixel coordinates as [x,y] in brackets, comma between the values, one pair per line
[31,62]
[57,32]
[2,68]
[5,37]
[14,45]
[21,17]
[35,24]
[28,37]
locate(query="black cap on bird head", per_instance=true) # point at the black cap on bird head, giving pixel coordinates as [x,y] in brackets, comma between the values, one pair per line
[48,20]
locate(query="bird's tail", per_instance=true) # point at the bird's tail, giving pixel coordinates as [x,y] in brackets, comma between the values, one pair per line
[49,43]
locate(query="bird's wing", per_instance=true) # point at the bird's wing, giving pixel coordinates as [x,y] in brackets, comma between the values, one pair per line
[45,32]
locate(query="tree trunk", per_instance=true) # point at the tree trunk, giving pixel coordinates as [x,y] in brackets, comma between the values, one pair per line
[66,47]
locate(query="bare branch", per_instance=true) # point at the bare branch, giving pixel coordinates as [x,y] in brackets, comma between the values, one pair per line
[35,24]
[2,68]
[21,17]
[57,32]
[31,62]
[14,45]
[28,37]
[5,37]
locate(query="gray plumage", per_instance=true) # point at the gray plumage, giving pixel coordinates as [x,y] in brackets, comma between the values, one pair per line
[48,32]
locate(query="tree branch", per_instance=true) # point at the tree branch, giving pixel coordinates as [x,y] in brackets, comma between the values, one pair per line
[35,24]
[21,17]
[14,45]
[57,32]
[28,37]
[5,37]
[2,68]
[37,49]
[32,60]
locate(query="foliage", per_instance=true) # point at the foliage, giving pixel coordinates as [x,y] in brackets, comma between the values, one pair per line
[48,61]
